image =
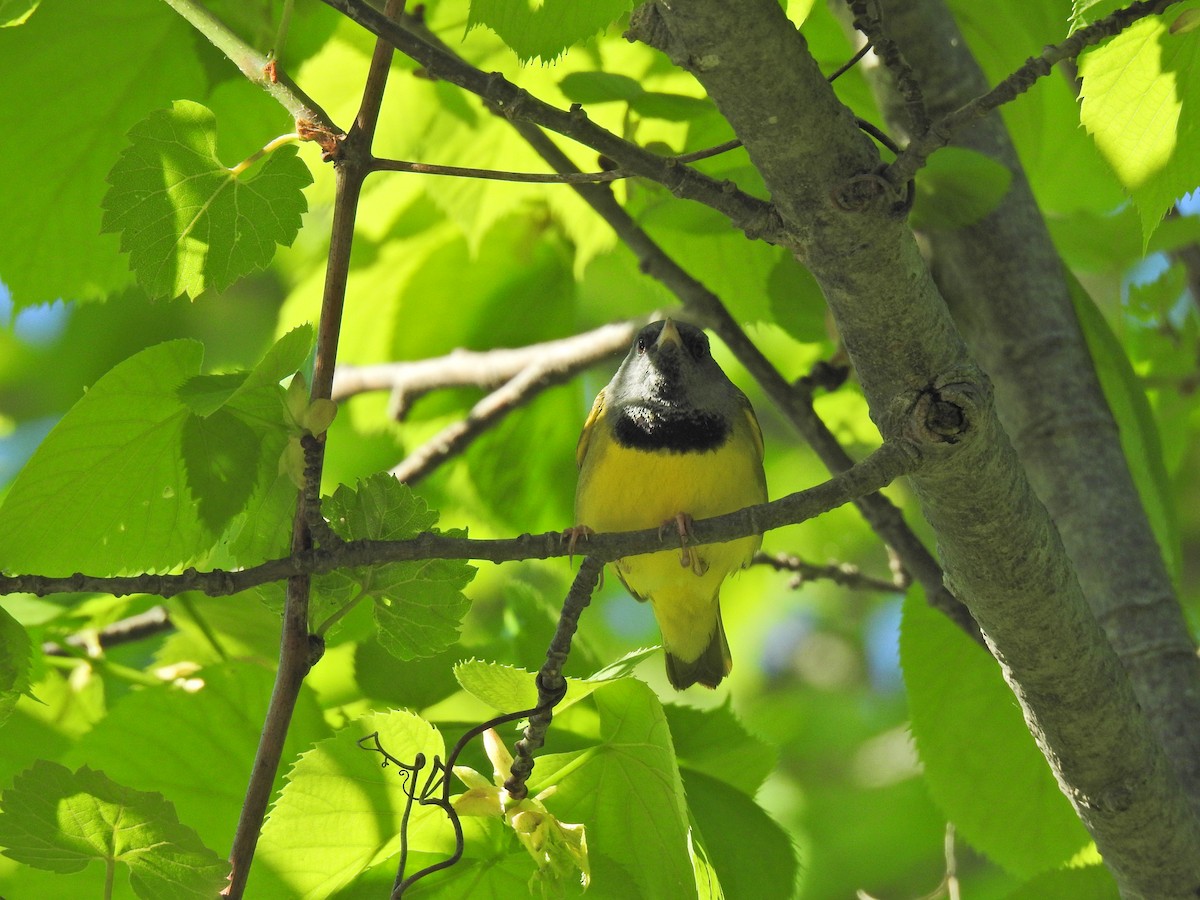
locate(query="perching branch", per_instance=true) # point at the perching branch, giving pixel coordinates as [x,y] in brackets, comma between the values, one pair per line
[881,468]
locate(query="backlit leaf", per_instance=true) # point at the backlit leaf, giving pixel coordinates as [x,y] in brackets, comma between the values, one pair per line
[60,820]
[190,223]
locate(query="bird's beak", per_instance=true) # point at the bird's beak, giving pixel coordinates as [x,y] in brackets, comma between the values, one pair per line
[668,335]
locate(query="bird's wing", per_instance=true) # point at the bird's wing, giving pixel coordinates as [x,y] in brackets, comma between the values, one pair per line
[755,430]
[594,417]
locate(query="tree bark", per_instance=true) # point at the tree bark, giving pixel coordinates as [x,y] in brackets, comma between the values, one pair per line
[1000,549]
[1014,309]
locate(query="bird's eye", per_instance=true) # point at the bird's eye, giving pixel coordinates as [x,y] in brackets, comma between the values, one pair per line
[698,348]
[641,346]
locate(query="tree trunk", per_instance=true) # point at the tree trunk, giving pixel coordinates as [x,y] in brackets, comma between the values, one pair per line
[1001,552]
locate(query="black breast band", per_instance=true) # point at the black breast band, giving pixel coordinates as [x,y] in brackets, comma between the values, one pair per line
[676,432]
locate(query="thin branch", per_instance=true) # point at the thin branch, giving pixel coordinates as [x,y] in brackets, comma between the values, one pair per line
[543,372]
[939,134]
[299,648]
[871,25]
[409,381]
[844,574]
[401,165]
[124,631]
[757,218]
[876,471]
[312,122]
[550,682]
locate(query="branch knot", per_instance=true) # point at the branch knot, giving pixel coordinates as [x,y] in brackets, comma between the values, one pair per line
[946,412]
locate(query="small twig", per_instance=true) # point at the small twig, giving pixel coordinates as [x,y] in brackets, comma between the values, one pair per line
[318,528]
[400,165]
[124,631]
[550,682]
[938,135]
[952,886]
[455,438]
[312,122]
[850,63]
[871,25]
[844,574]
[754,216]
[707,152]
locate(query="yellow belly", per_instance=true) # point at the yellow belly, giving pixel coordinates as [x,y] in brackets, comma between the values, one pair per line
[621,489]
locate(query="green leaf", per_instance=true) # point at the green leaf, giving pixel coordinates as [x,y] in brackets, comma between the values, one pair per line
[220,454]
[1084,12]
[671,107]
[599,87]
[196,741]
[1136,427]
[538,494]
[59,820]
[188,222]
[958,188]
[73,83]
[342,810]
[545,29]
[205,394]
[264,529]
[508,688]
[285,357]
[981,764]
[1141,104]
[715,742]
[15,12]
[797,304]
[132,479]
[16,653]
[106,492]
[417,605]
[1093,882]
[504,688]
[734,829]
[641,837]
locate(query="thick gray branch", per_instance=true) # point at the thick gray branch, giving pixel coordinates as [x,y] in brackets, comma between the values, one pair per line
[1000,550]
[1008,292]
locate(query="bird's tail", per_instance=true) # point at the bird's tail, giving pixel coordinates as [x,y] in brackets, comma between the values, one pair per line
[708,668]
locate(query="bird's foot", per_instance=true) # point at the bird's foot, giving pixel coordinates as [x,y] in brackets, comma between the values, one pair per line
[688,558]
[572,536]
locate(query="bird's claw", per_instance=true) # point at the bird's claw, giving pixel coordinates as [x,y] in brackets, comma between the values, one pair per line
[688,559]
[572,536]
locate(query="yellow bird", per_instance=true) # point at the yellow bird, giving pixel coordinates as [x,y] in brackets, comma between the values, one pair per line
[671,439]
